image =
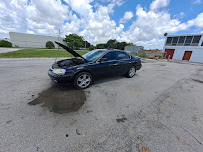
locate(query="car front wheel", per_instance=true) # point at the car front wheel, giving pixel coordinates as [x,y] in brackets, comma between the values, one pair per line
[131,72]
[82,80]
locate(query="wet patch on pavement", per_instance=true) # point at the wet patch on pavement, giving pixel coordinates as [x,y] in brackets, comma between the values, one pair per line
[61,99]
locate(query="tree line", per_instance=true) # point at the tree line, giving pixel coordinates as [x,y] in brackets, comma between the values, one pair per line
[78,42]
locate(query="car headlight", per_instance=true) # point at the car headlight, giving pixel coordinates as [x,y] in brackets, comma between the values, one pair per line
[59,71]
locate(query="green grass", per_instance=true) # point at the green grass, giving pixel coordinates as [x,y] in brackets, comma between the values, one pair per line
[133,54]
[29,53]
[38,53]
[141,54]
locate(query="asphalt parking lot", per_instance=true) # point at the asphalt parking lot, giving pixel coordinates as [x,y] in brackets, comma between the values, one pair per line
[160,109]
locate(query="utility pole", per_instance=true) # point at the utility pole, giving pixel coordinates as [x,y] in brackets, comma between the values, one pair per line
[58,45]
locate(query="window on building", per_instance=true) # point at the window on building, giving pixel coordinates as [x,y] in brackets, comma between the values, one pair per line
[169,40]
[181,40]
[175,40]
[122,55]
[110,56]
[196,39]
[188,40]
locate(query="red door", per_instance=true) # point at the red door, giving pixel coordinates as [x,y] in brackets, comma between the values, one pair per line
[169,52]
[187,55]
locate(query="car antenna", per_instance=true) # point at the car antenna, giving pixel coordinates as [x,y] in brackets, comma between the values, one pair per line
[58,46]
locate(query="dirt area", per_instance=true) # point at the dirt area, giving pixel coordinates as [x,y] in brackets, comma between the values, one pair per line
[61,99]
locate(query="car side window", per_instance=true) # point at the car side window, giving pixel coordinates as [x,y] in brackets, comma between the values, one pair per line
[110,56]
[123,56]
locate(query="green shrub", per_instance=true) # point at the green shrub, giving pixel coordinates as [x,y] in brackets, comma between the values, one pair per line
[91,47]
[4,43]
[50,45]
[142,54]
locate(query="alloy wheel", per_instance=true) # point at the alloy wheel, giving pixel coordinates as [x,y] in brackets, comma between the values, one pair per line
[83,80]
[132,72]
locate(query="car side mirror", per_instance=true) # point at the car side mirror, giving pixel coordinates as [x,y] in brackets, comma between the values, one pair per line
[103,60]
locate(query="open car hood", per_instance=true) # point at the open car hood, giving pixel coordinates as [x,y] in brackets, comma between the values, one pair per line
[75,54]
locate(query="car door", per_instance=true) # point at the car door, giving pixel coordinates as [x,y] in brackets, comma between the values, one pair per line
[105,68]
[123,62]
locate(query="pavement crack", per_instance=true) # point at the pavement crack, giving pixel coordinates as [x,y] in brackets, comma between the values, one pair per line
[197,80]
[191,135]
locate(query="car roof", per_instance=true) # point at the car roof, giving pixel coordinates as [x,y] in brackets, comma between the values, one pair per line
[108,50]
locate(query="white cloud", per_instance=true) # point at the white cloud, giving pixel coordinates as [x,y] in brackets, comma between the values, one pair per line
[127,16]
[152,44]
[94,23]
[115,2]
[197,2]
[198,21]
[179,16]
[100,27]
[44,20]
[159,4]
[149,25]
[30,32]
[82,7]
[12,17]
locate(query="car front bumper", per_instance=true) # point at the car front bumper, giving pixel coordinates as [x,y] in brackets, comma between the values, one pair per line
[66,78]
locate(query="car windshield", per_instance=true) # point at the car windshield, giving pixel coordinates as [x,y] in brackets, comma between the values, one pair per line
[93,55]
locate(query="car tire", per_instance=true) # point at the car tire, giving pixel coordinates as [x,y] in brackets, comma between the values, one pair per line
[131,72]
[82,80]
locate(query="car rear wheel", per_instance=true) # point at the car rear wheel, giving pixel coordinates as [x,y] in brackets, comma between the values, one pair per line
[82,80]
[131,72]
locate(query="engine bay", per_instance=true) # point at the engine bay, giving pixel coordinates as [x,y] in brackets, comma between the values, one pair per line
[68,63]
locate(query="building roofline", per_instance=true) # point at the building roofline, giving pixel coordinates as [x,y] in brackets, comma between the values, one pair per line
[34,34]
[135,45]
[185,35]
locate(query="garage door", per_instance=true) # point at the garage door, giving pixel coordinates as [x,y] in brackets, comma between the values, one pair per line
[187,55]
[169,52]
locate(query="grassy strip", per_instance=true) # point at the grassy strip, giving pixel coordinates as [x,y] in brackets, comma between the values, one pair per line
[29,53]
[38,53]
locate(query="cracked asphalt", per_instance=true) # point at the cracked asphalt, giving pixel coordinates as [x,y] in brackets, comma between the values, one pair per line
[160,109]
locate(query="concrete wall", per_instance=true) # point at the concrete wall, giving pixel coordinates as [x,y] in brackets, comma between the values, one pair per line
[31,40]
[133,49]
[197,52]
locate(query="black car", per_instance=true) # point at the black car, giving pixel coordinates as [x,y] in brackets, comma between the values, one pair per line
[81,70]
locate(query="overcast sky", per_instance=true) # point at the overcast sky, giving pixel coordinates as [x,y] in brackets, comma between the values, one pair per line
[142,22]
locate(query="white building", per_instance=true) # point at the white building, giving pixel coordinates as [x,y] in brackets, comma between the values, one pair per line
[134,49]
[185,47]
[32,40]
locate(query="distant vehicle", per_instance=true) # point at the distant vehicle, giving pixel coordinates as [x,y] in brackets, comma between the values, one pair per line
[81,70]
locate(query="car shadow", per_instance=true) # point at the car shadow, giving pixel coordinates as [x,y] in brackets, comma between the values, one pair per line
[108,79]
[97,81]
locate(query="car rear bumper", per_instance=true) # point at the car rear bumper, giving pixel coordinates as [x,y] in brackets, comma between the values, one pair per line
[68,78]
[138,66]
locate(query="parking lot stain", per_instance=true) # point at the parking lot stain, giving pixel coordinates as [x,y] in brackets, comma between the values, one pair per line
[121,119]
[8,122]
[61,99]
